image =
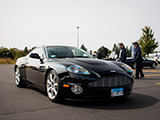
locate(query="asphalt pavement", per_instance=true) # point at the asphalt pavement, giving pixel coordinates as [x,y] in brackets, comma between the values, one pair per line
[32,104]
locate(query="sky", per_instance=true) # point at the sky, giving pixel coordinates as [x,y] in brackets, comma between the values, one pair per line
[54,22]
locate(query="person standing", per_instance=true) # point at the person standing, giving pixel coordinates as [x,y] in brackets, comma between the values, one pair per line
[90,52]
[157,59]
[137,58]
[122,53]
[94,54]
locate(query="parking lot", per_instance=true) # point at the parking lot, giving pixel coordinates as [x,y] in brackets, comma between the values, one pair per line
[32,104]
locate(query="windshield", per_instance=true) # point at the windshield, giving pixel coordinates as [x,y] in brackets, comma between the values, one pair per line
[66,52]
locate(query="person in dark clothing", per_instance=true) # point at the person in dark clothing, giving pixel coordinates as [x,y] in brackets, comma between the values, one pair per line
[122,53]
[99,54]
[90,52]
[137,58]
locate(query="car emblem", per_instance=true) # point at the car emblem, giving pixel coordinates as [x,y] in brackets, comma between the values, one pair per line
[113,71]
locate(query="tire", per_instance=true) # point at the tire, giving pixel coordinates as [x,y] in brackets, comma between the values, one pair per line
[18,78]
[53,87]
[153,65]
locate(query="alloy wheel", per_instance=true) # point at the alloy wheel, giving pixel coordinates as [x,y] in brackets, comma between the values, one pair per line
[17,76]
[52,85]
[154,65]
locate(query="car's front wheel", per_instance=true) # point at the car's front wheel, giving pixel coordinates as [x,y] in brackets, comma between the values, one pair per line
[18,78]
[53,88]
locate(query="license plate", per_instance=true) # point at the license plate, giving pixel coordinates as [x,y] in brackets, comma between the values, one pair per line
[116,92]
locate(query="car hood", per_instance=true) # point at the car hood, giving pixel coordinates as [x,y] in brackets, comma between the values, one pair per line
[95,65]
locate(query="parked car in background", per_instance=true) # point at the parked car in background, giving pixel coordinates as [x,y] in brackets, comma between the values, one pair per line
[112,57]
[129,61]
[145,63]
[157,59]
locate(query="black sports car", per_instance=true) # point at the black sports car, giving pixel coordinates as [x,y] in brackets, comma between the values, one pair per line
[68,72]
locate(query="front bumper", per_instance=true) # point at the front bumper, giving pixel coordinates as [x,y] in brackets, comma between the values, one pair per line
[101,93]
[89,91]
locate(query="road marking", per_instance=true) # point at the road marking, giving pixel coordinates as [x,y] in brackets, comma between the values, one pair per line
[153,75]
[151,70]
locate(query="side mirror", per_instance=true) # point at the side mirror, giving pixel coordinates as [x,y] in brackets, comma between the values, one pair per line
[34,55]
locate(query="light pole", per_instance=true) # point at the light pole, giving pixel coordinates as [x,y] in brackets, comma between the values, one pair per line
[77,37]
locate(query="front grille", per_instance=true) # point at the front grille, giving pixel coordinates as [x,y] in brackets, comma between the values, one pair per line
[111,81]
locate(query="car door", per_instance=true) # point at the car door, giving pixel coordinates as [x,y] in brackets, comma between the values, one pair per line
[32,65]
[145,62]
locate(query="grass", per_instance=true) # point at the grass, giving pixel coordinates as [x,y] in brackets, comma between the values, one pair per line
[6,61]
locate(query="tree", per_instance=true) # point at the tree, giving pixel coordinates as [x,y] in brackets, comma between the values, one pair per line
[32,48]
[104,51]
[109,51]
[25,52]
[83,47]
[116,49]
[128,51]
[5,53]
[147,41]
[13,53]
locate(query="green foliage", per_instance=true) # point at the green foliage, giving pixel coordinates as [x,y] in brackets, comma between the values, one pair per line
[12,53]
[109,51]
[19,54]
[147,41]
[116,49]
[25,52]
[5,53]
[128,51]
[104,51]
[83,47]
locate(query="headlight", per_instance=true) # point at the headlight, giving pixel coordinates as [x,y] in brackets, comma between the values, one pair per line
[128,69]
[77,70]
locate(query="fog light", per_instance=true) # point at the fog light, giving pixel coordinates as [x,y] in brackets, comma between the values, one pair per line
[77,89]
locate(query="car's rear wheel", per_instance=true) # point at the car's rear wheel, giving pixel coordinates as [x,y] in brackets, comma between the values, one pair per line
[153,65]
[53,87]
[18,78]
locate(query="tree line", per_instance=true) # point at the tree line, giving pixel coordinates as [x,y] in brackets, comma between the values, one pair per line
[13,53]
[147,42]
[105,51]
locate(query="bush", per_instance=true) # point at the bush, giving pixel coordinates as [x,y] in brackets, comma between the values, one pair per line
[7,61]
[9,56]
